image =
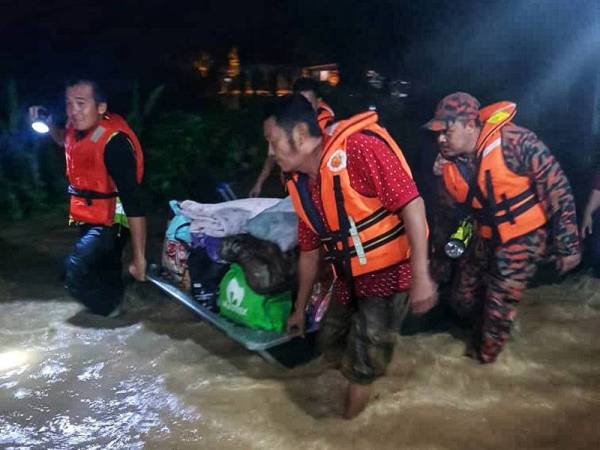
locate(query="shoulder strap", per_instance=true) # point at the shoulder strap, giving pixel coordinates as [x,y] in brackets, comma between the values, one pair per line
[309,208]
[345,128]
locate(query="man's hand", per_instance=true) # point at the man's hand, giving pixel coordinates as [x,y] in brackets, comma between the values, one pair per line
[295,323]
[566,263]
[137,269]
[34,114]
[255,191]
[586,225]
[57,135]
[423,294]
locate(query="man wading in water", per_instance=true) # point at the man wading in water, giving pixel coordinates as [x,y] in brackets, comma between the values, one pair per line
[105,166]
[359,206]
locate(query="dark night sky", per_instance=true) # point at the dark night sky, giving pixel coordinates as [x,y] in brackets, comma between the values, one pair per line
[429,40]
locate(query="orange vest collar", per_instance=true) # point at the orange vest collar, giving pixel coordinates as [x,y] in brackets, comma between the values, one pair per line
[493,117]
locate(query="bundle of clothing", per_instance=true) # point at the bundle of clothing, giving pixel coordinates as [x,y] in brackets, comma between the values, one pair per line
[260,234]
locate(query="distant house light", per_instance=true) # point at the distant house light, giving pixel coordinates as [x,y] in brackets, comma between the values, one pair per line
[202,64]
[400,88]
[334,78]
[233,68]
[375,79]
[328,73]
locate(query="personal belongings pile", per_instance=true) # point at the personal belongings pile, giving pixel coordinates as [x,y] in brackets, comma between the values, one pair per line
[177,245]
[238,257]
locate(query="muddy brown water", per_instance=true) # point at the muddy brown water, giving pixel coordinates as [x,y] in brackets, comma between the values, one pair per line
[158,378]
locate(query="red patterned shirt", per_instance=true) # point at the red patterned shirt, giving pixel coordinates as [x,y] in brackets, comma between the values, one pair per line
[374,171]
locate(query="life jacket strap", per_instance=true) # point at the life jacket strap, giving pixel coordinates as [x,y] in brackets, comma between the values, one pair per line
[90,195]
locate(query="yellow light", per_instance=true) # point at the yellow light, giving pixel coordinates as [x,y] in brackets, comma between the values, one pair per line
[202,64]
[334,78]
[233,70]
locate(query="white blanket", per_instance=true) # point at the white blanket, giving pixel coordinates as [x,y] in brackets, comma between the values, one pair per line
[225,218]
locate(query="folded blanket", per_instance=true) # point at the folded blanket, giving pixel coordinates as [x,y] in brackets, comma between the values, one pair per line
[226,218]
[278,224]
[221,223]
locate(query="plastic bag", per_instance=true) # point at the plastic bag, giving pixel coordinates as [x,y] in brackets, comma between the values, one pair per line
[241,304]
[277,224]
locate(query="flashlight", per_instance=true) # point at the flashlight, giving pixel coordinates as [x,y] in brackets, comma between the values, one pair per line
[460,239]
[40,124]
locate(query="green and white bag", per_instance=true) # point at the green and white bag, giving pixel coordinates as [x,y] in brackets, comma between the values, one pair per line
[242,305]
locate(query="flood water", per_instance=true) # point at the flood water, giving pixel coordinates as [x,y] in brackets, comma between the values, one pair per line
[158,378]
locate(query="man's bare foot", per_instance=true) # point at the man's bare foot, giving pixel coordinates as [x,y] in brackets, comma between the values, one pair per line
[357,397]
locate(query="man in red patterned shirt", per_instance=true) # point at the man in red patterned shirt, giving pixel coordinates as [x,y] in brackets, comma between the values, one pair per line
[308,88]
[358,206]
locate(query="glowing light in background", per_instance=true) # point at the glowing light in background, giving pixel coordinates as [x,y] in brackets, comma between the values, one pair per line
[334,78]
[203,64]
[233,69]
[13,359]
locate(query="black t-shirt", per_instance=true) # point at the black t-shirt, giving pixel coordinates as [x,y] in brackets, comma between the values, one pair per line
[119,158]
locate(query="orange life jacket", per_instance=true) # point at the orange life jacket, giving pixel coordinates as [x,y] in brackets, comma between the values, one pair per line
[325,115]
[505,203]
[93,192]
[360,236]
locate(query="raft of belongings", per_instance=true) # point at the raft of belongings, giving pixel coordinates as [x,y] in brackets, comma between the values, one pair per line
[234,264]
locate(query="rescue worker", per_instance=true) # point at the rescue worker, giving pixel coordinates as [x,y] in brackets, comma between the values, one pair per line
[516,193]
[591,227]
[359,207]
[309,88]
[105,166]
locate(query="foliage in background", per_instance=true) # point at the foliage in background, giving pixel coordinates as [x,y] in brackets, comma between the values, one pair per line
[138,115]
[187,155]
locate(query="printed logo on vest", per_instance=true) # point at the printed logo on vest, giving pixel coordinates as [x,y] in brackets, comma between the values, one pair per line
[337,161]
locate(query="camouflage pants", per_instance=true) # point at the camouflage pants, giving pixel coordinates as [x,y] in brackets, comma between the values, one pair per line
[489,284]
[365,333]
